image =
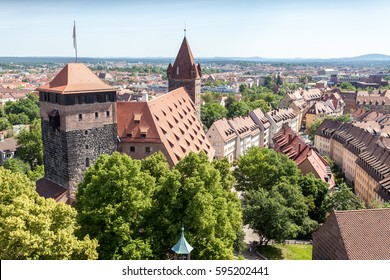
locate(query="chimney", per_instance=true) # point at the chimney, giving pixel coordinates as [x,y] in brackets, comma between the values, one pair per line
[289,138]
[299,148]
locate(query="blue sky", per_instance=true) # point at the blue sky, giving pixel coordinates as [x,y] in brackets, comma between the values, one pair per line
[151,28]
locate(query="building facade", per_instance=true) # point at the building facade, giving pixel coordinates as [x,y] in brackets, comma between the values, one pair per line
[78,114]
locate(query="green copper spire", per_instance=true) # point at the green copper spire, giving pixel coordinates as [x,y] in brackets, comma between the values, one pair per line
[182,247]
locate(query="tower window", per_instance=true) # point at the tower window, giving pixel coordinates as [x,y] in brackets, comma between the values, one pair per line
[148,150]
[86,147]
[177,70]
[86,132]
[80,117]
[87,162]
[107,113]
[96,115]
[132,149]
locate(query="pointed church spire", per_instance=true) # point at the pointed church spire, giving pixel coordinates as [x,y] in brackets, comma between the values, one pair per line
[185,73]
[184,62]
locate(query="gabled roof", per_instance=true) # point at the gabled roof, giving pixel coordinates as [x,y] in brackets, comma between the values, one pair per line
[224,129]
[185,62]
[365,233]
[169,119]
[75,78]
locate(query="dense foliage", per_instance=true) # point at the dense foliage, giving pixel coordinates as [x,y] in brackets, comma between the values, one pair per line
[32,227]
[136,209]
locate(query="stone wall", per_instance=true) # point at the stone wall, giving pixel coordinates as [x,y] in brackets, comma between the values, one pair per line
[66,154]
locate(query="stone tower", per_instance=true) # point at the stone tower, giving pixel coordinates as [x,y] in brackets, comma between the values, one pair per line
[78,114]
[185,73]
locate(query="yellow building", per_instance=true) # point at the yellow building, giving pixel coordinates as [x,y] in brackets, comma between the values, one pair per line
[372,170]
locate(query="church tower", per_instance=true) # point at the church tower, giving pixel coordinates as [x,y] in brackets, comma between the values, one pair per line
[185,73]
[78,114]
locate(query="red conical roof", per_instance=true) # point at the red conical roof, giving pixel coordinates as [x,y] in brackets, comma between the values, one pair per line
[185,62]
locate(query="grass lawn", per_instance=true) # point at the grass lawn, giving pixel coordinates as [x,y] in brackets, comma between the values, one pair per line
[286,251]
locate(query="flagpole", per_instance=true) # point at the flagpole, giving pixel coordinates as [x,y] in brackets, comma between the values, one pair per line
[74,39]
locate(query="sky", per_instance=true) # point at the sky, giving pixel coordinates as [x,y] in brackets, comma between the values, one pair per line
[215,28]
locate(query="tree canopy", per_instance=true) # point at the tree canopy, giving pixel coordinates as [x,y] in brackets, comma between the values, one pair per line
[32,227]
[342,199]
[23,111]
[196,195]
[211,112]
[111,203]
[273,202]
[30,142]
[136,209]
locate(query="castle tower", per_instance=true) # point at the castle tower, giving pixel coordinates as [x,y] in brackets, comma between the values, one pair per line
[185,73]
[78,114]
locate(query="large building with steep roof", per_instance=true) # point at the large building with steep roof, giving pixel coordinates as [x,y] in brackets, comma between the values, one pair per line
[287,142]
[186,73]
[167,124]
[78,114]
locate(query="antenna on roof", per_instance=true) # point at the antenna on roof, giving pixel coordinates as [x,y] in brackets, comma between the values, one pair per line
[74,39]
[185,29]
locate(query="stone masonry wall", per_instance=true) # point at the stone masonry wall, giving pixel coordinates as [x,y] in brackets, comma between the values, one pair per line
[66,153]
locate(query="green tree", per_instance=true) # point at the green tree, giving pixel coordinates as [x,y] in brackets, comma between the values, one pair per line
[16,165]
[269,82]
[313,128]
[347,86]
[279,213]
[30,142]
[32,227]
[259,104]
[36,174]
[315,191]
[211,112]
[4,124]
[264,168]
[28,106]
[194,194]
[342,199]
[16,119]
[344,118]
[242,87]
[111,202]
[237,109]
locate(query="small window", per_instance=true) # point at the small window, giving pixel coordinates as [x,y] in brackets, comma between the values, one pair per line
[96,115]
[132,149]
[136,121]
[107,113]
[143,135]
[86,147]
[86,132]
[148,149]
[80,117]
[177,70]
[87,162]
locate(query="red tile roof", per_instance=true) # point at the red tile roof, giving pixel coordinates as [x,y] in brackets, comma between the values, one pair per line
[169,119]
[185,62]
[286,141]
[366,233]
[75,78]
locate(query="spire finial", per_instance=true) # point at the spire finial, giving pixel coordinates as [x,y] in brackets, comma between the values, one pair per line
[185,29]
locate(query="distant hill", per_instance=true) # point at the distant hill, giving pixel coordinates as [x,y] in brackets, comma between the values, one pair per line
[367,58]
